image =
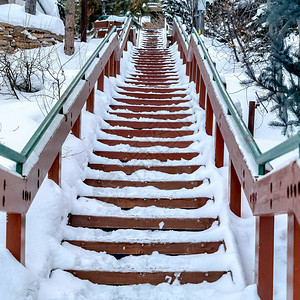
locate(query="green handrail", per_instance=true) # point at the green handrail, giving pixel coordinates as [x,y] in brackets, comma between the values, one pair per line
[12,154]
[182,30]
[20,158]
[231,107]
[260,158]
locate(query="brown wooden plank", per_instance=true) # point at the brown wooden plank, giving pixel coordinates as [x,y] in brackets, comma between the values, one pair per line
[154,278]
[137,108]
[148,248]
[188,224]
[152,116]
[129,133]
[147,124]
[154,95]
[129,169]
[138,144]
[151,102]
[126,156]
[184,203]
[151,83]
[162,185]
[151,90]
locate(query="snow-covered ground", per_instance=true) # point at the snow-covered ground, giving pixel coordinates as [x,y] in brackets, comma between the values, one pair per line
[49,210]
[15,14]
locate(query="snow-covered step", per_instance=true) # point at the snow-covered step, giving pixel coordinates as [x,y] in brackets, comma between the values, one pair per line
[128,203]
[195,224]
[146,210]
[147,144]
[169,116]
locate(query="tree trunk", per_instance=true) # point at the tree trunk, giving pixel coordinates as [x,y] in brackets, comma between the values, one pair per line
[30,7]
[70,27]
[83,20]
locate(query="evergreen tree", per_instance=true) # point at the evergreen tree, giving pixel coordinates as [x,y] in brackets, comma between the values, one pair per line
[179,8]
[280,74]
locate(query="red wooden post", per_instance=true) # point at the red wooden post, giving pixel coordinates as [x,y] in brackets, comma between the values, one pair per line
[264,256]
[90,101]
[194,69]
[15,235]
[293,259]
[111,67]
[106,69]
[76,129]
[251,116]
[100,84]
[219,148]
[188,66]
[235,191]
[202,94]
[209,117]
[180,50]
[55,171]
[197,79]
[118,67]
[125,48]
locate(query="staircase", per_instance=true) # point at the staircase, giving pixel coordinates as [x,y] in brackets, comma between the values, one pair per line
[151,208]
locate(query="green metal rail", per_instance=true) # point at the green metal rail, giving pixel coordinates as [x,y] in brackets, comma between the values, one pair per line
[260,158]
[20,158]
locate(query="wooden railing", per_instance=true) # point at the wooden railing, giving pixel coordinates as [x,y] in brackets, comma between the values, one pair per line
[277,192]
[41,156]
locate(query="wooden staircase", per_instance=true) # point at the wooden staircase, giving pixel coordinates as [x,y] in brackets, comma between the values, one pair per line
[146,213]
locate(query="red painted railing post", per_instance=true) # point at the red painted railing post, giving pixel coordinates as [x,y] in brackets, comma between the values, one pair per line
[198,79]
[55,171]
[90,101]
[188,66]
[219,148]
[191,70]
[293,259]
[100,83]
[209,117]
[76,129]
[111,65]
[235,191]
[264,256]
[202,94]
[106,69]
[15,235]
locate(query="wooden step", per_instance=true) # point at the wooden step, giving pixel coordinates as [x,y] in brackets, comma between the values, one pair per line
[137,108]
[152,116]
[153,95]
[114,223]
[126,156]
[154,278]
[130,133]
[148,125]
[122,248]
[139,144]
[129,169]
[151,83]
[152,102]
[150,90]
[161,185]
[128,203]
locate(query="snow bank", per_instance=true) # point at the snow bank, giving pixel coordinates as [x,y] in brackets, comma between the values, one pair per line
[15,15]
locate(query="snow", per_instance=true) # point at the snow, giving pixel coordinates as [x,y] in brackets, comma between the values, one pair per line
[47,217]
[15,15]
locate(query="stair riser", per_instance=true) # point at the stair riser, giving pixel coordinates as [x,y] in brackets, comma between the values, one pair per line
[117,278]
[148,133]
[151,102]
[114,223]
[148,249]
[131,169]
[128,203]
[152,116]
[154,96]
[148,125]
